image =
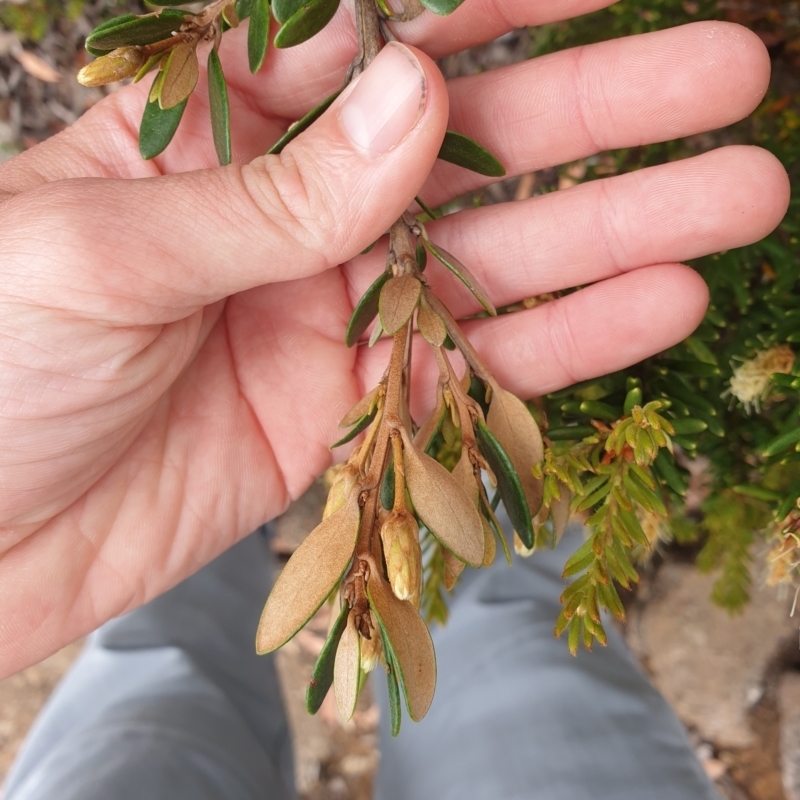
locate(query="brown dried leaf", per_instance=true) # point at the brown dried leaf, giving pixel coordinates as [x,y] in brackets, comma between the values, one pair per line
[516,430]
[490,544]
[36,66]
[180,76]
[399,298]
[361,408]
[312,572]
[346,669]
[430,324]
[443,505]
[410,644]
[453,567]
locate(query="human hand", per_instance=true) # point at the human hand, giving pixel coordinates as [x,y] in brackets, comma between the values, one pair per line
[172,366]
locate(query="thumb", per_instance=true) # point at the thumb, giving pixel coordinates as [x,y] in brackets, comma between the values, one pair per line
[185,240]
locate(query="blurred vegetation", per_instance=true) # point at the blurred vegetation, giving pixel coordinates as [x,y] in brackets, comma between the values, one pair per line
[731,390]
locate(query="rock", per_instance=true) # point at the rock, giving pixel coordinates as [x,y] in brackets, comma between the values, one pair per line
[789,708]
[708,664]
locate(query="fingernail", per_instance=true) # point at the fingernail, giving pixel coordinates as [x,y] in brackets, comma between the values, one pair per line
[386,101]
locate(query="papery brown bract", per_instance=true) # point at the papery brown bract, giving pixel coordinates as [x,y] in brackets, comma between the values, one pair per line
[309,577]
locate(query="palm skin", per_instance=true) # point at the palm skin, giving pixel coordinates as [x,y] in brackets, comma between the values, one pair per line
[172,365]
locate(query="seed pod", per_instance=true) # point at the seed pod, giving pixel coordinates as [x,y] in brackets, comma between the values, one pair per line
[124,62]
[342,487]
[401,550]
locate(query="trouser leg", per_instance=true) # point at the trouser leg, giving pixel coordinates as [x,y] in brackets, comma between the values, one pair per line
[515,716]
[169,701]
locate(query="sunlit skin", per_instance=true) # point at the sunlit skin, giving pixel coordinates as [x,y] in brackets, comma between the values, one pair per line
[172,366]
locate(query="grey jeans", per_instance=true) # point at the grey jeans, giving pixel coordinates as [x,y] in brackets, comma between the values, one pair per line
[170,702]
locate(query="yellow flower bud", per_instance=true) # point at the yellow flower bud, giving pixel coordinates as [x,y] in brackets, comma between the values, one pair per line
[121,63]
[401,550]
[342,487]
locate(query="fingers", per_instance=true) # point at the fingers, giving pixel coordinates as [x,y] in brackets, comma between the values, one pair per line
[623,93]
[674,212]
[555,109]
[592,332]
[322,61]
[333,191]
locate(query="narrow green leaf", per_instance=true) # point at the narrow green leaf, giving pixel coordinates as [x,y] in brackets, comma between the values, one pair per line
[359,426]
[579,560]
[688,426]
[258,34]
[387,486]
[308,21]
[572,433]
[125,32]
[463,274]
[442,7]
[220,109]
[158,127]
[366,310]
[244,8]
[465,152]
[633,398]
[781,443]
[302,125]
[283,9]
[667,470]
[322,675]
[395,709]
[508,484]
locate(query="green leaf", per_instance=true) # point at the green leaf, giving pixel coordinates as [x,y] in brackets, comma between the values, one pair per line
[125,32]
[508,484]
[158,127]
[322,675]
[633,398]
[283,9]
[302,125]
[463,274]
[387,486]
[244,8]
[688,426]
[597,410]
[572,433]
[465,152]
[258,34]
[579,560]
[667,470]
[442,7]
[105,26]
[781,443]
[366,310]
[308,21]
[360,425]
[395,709]
[220,109]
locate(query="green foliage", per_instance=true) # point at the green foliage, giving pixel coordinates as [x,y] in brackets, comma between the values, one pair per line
[731,390]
